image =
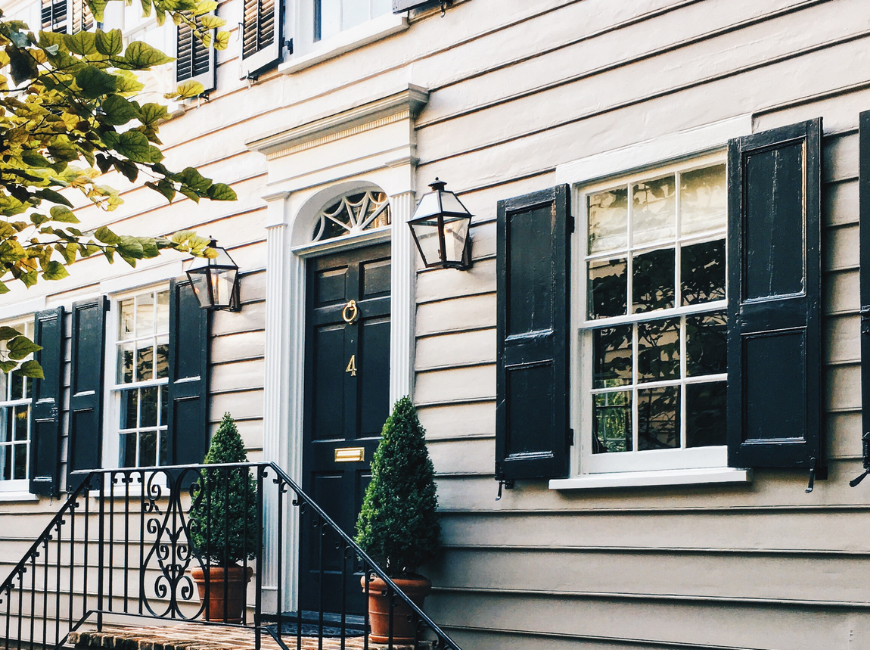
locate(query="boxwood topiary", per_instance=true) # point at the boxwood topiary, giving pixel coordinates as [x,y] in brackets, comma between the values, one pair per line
[398,525]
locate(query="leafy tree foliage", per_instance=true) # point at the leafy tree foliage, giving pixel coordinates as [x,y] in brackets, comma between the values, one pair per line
[223,517]
[68,115]
[398,524]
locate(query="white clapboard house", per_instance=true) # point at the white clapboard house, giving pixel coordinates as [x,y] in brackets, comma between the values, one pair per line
[643,396]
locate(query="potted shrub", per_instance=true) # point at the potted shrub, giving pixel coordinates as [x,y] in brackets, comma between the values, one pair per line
[223,526]
[398,524]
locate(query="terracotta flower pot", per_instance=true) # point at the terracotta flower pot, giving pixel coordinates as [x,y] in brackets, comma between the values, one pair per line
[236,579]
[404,623]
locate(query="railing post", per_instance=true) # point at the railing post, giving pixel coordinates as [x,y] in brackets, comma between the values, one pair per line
[101,536]
[258,598]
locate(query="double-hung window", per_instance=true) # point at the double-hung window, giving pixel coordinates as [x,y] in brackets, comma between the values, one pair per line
[140,394]
[16,396]
[334,16]
[652,319]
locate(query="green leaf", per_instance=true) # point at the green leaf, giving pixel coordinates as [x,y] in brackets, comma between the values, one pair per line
[55,271]
[54,197]
[193,179]
[7,333]
[118,110]
[7,366]
[20,347]
[149,247]
[94,82]
[130,247]
[127,83]
[165,187]
[64,215]
[146,8]
[130,171]
[106,236]
[33,158]
[109,43]
[135,146]
[150,114]
[221,192]
[221,40]
[189,89]
[204,7]
[82,43]
[22,66]
[142,56]
[31,369]
[212,22]
[29,278]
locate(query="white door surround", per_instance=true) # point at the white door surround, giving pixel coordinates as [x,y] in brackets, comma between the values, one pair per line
[367,146]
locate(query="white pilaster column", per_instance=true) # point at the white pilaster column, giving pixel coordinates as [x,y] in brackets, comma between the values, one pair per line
[402,303]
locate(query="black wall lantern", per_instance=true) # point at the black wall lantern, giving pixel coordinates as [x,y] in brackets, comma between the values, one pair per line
[440,228]
[215,281]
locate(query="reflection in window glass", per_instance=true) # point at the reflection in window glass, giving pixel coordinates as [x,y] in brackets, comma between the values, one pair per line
[612,422]
[612,356]
[706,344]
[15,418]
[653,280]
[705,414]
[654,211]
[608,288]
[703,200]
[703,272]
[608,220]
[658,415]
[658,350]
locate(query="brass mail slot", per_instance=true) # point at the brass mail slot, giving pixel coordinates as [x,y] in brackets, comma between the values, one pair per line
[350,455]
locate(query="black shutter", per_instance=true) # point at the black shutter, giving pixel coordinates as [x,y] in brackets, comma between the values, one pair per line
[188,375]
[54,16]
[864,235]
[194,61]
[47,398]
[532,433]
[87,348]
[261,35]
[774,301]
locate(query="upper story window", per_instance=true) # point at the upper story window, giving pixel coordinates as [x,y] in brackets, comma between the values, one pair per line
[141,375]
[352,214]
[16,396]
[334,16]
[66,16]
[654,326]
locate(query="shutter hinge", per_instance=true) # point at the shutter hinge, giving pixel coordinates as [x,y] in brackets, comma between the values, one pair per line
[812,475]
[865,319]
[503,483]
[570,437]
[865,439]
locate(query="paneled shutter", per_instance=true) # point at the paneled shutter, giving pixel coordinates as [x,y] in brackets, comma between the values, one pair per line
[55,16]
[194,61]
[188,375]
[47,398]
[87,348]
[532,433]
[261,35]
[774,299]
[864,234]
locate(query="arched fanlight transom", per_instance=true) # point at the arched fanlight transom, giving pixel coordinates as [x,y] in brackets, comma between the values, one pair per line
[353,214]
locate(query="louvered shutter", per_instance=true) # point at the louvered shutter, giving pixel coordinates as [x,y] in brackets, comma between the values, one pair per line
[774,299]
[47,398]
[188,375]
[261,35]
[82,18]
[194,61]
[532,432]
[87,348]
[55,16]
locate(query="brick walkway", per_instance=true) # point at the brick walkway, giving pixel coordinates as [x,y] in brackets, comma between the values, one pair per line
[192,636]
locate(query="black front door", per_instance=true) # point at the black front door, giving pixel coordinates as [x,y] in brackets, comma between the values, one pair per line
[346,404]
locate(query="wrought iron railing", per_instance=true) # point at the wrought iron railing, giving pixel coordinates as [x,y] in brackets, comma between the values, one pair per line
[126,541]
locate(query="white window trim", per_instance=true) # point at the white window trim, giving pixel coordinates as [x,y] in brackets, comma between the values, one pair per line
[655,467]
[111,401]
[308,52]
[13,489]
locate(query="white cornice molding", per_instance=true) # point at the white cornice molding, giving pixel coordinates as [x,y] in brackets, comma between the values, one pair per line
[24,308]
[405,104]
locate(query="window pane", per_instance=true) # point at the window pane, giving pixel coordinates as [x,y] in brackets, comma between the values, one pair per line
[6,426]
[612,356]
[658,350]
[28,386]
[147,448]
[20,468]
[654,214]
[164,448]
[145,362]
[653,279]
[608,220]
[144,315]
[164,405]
[705,414]
[706,344]
[125,320]
[354,12]
[148,417]
[330,18]
[702,272]
[612,422]
[162,363]
[703,200]
[4,386]
[129,407]
[658,418]
[608,288]
[16,381]
[5,463]
[381,7]
[162,312]
[127,454]
[125,363]
[21,416]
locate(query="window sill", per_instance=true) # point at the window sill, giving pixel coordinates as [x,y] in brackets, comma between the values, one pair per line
[350,39]
[17,497]
[653,478]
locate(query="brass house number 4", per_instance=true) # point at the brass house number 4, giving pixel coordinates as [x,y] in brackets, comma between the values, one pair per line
[351,366]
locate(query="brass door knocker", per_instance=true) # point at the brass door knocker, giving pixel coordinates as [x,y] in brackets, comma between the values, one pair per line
[350,312]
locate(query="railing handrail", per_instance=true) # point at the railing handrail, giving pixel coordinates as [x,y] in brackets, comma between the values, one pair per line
[169,469]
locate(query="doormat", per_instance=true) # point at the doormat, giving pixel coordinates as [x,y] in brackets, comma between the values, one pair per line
[291,629]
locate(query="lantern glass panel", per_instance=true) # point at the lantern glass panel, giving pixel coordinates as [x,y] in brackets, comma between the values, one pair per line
[222,281]
[199,282]
[450,203]
[426,233]
[429,206]
[455,234]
